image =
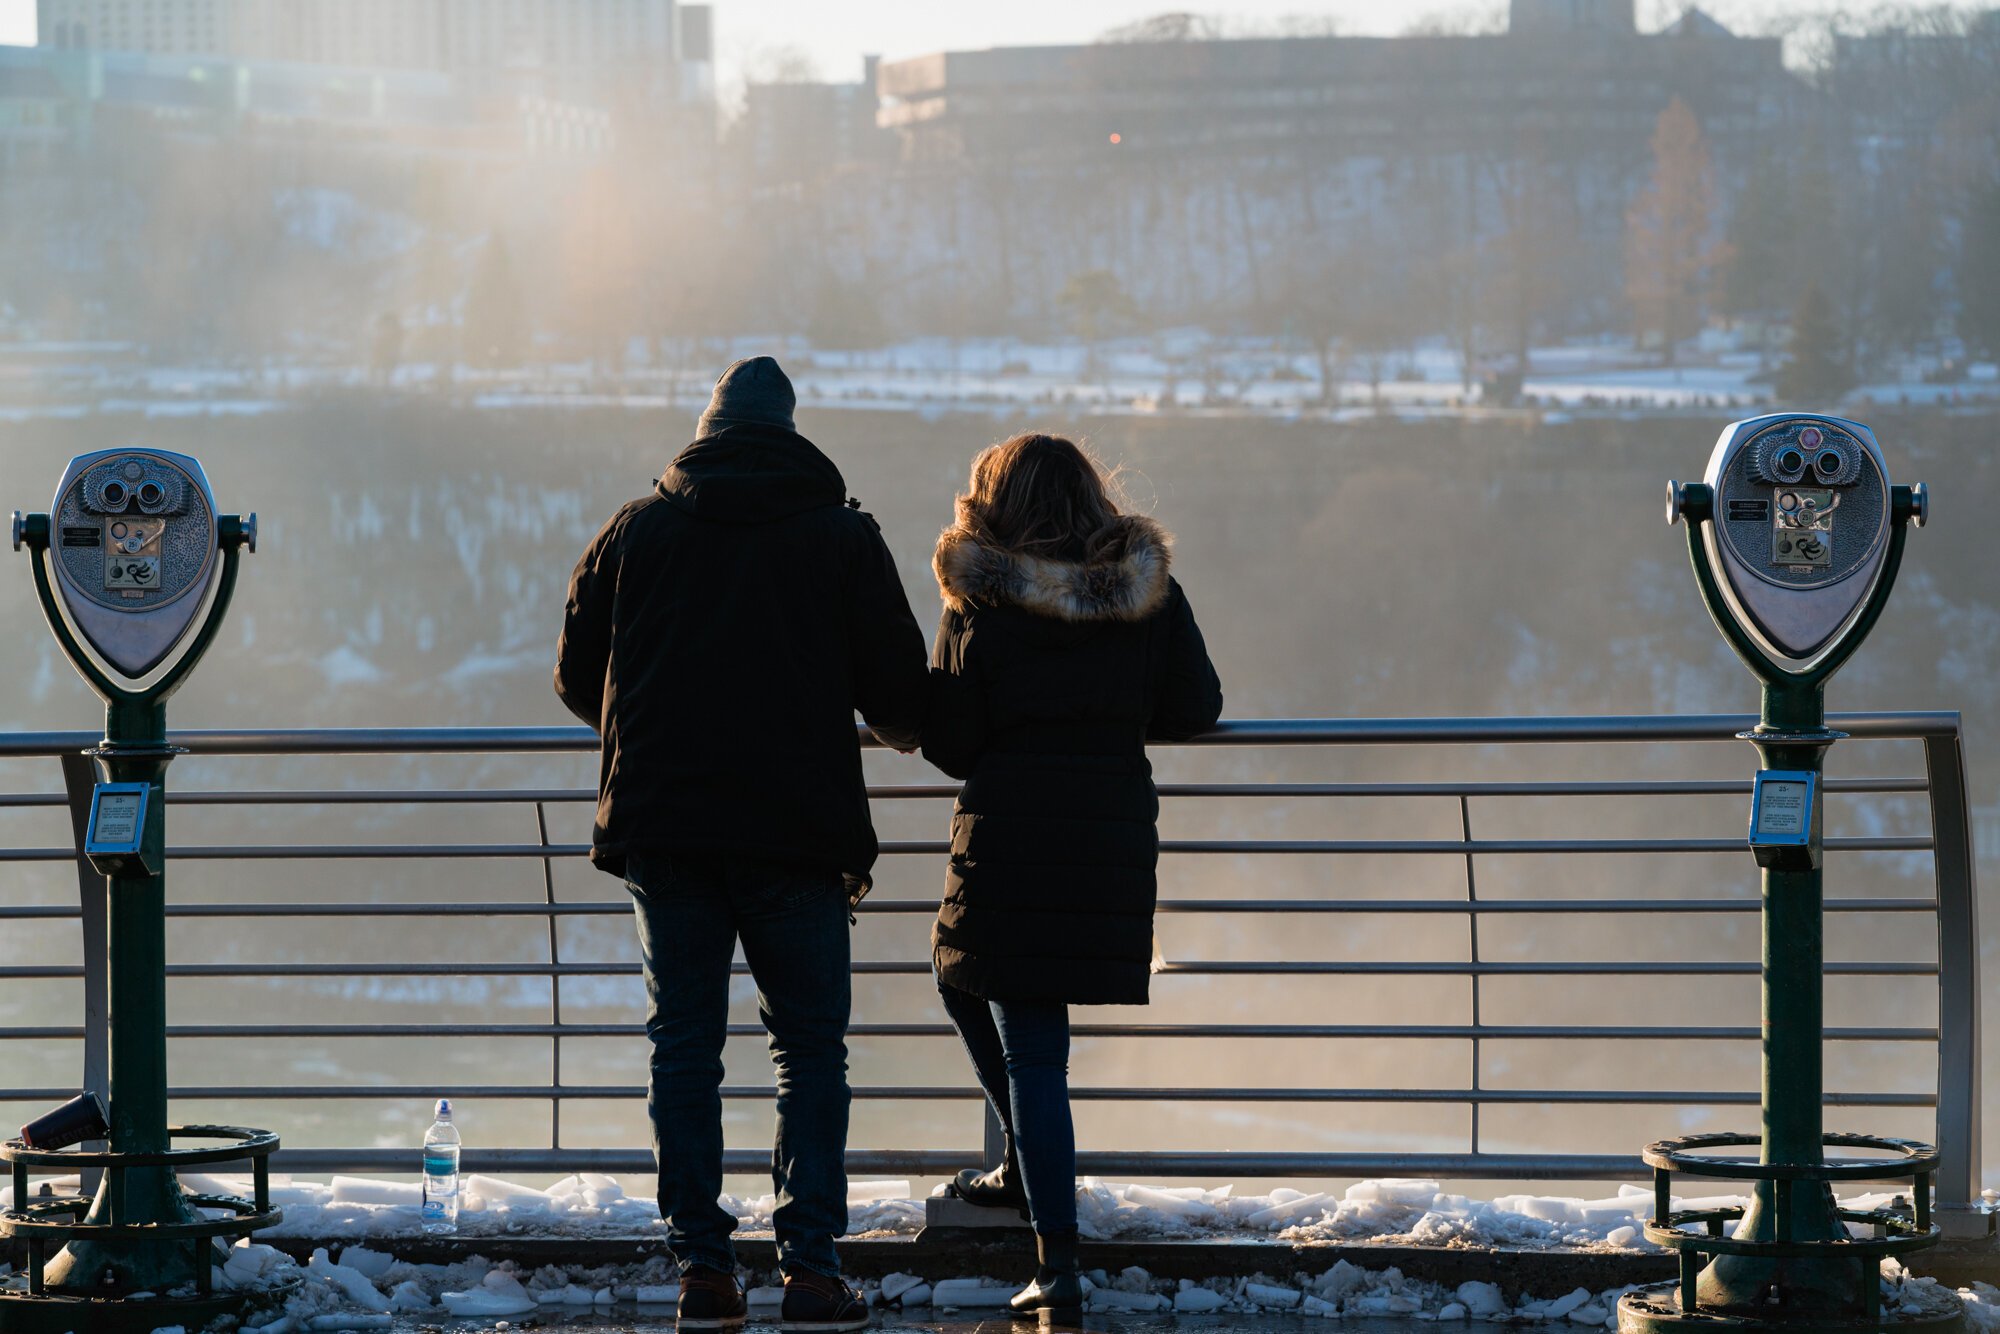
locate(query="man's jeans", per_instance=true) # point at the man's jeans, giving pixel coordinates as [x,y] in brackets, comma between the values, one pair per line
[793,924]
[1020,1051]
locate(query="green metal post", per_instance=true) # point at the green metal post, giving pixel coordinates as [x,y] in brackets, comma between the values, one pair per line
[1794,956]
[135,751]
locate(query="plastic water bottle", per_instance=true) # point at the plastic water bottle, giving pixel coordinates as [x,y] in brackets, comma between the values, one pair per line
[441,1172]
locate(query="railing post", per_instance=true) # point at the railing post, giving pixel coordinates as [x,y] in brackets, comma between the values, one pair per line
[1472,929]
[1959,1127]
[79,779]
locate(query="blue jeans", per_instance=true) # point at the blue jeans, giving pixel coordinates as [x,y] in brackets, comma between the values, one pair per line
[793,924]
[1020,1051]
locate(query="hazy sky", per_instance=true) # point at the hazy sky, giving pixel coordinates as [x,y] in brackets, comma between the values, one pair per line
[834,36]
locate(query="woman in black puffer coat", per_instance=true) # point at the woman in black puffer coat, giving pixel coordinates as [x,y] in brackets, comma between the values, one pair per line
[1066,645]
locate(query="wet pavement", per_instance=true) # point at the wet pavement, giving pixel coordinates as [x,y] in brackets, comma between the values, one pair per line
[647,1322]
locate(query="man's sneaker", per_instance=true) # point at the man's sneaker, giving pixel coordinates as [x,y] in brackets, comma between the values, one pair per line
[710,1299]
[815,1302]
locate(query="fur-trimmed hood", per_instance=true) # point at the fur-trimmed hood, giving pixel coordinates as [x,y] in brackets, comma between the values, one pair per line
[1131,587]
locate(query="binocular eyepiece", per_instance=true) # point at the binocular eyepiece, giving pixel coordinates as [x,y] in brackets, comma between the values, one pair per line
[115,495]
[1786,462]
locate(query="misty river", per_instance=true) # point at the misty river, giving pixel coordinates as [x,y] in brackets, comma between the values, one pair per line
[412,568]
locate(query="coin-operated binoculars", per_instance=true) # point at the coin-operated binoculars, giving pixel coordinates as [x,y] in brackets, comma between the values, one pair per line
[1795,536]
[134,568]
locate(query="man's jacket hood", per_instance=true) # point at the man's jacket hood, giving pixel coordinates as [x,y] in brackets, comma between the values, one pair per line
[752,473]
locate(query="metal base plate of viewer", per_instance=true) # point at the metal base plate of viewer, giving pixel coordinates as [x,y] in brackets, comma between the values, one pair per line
[1659,1309]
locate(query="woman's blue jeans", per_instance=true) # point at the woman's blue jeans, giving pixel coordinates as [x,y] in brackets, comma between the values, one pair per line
[1020,1051]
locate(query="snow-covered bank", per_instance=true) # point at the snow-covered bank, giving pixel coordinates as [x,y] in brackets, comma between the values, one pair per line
[1175,370]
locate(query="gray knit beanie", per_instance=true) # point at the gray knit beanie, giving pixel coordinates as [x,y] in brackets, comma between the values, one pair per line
[752,390]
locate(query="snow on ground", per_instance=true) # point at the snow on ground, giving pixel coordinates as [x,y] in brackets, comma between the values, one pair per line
[360,1284]
[362,1288]
[586,1205]
[1384,1212]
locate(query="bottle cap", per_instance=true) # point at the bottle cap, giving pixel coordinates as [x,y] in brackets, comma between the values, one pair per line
[444,1109]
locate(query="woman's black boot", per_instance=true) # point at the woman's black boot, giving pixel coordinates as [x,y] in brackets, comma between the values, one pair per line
[1000,1188]
[1057,1286]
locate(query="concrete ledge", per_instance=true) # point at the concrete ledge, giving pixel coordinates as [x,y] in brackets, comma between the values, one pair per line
[948,1212]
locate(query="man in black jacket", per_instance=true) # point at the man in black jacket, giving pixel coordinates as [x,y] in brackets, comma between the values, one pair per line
[721,634]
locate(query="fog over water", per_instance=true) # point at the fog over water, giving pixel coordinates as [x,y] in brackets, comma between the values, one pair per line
[413,560]
[1399,316]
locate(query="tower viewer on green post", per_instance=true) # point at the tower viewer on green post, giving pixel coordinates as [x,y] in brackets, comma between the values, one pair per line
[721,633]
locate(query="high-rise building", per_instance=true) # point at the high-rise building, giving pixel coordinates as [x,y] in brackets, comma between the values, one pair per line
[164,27]
[558,36]
[372,34]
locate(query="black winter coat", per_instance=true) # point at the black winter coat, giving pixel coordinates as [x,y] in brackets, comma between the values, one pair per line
[721,634]
[1047,681]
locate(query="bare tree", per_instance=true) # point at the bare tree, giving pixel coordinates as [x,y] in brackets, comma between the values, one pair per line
[1177,27]
[1467,20]
[1529,264]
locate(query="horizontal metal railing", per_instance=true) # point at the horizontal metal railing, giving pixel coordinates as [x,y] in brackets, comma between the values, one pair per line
[1956,1096]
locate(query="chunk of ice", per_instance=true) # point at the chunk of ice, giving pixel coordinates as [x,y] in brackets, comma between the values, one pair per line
[1264,1294]
[369,1264]
[1171,1205]
[1199,1299]
[895,1285]
[1563,1305]
[1289,1211]
[367,1190]
[498,1294]
[1481,1299]
[1414,1192]
[873,1192]
[352,1284]
[969,1294]
[493,1192]
[410,1296]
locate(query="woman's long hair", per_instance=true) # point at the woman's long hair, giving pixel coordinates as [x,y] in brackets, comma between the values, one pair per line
[1044,496]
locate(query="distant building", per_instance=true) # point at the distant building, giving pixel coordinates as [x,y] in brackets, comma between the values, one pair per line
[1571,77]
[581,41]
[51,97]
[1898,87]
[797,131]
[163,27]
[1569,16]
[34,113]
